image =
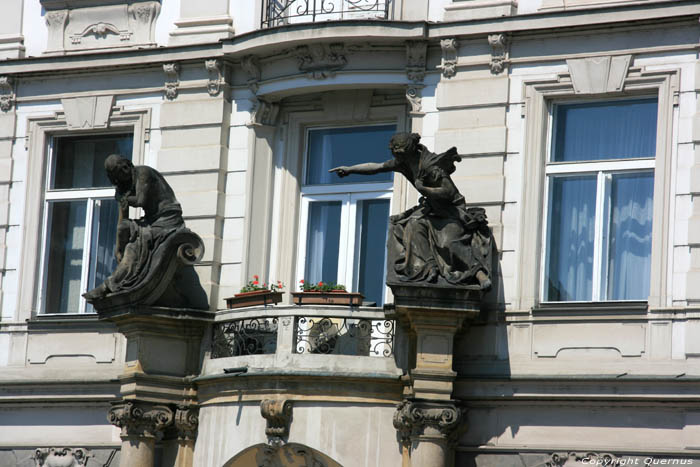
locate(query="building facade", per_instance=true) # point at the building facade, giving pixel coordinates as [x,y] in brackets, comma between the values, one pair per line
[575,121]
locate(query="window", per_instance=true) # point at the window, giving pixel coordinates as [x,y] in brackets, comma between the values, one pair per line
[599,201]
[80,220]
[344,221]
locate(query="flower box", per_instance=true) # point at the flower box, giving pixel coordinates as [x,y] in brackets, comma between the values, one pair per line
[256,297]
[333,297]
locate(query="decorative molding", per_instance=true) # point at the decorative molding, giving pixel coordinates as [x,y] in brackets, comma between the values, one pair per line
[416,58]
[321,61]
[172,79]
[140,419]
[416,419]
[596,75]
[56,21]
[7,93]
[87,112]
[264,113]
[61,457]
[559,459]
[278,413]
[100,30]
[251,67]
[499,52]
[186,422]
[415,98]
[216,77]
[449,57]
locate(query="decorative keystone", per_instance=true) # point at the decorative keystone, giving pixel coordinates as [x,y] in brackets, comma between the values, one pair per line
[278,414]
[416,419]
[140,419]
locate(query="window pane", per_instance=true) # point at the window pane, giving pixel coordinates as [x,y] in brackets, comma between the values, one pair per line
[65,256]
[79,162]
[323,242]
[569,269]
[103,242]
[333,147]
[629,253]
[372,227]
[610,130]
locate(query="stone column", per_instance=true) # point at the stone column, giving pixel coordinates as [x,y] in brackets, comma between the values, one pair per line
[427,431]
[186,423]
[142,423]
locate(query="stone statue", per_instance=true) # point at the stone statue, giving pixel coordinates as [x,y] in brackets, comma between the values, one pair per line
[150,250]
[440,241]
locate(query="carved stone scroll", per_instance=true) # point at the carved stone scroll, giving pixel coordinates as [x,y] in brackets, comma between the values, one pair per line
[140,419]
[7,93]
[278,414]
[449,57]
[321,61]
[415,419]
[265,113]
[499,52]
[172,79]
[416,56]
[414,97]
[216,77]
[186,422]
[61,457]
[251,67]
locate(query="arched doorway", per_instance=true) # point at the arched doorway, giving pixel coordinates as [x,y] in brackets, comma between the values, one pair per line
[288,455]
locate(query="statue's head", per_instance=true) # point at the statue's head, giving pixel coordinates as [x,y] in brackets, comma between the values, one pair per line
[119,170]
[404,144]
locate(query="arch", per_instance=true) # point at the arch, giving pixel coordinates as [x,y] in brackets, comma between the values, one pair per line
[287,455]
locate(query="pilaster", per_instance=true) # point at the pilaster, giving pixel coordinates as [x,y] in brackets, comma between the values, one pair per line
[11,38]
[201,22]
[141,425]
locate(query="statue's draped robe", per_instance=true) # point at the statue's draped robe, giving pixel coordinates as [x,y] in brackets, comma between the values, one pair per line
[440,237]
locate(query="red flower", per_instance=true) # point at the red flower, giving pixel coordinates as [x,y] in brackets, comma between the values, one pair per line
[320,283]
[255,282]
[301,281]
[256,277]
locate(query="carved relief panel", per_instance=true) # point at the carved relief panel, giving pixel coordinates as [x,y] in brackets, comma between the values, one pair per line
[83,25]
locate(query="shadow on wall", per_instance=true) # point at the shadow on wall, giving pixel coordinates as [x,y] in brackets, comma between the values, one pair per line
[292,454]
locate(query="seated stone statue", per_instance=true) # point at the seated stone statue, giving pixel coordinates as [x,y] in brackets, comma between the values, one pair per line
[440,241]
[146,247]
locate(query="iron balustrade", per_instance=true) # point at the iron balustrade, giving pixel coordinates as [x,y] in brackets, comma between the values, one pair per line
[244,337]
[281,12]
[344,336]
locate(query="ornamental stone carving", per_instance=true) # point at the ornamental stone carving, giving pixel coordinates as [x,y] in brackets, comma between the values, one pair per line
[186,422]
[264,113]
[251,67]
[216,76]
[321,61]
[172,79]
[140,419]
[278,414]
[499,52]
[565,459]
[415,100]
[449,57]
[416,56]
[7,93]
[415,419]
[61,457]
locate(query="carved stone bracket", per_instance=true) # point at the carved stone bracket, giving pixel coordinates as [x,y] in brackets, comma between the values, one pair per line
[172,79]
[251,67]
[61,457]
[216,76]
[416,419]
[416,57]
[559,459]
[278,414]
[7,93]
[449,57]
[499,52]
[264,113]
[186,422]
[321,61]
[415,98]
[140,419]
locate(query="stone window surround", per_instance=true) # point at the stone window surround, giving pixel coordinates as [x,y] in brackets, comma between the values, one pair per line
[289,185]
[538,97]
[40,130]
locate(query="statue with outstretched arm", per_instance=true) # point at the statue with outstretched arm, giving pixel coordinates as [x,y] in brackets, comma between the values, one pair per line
[440,240]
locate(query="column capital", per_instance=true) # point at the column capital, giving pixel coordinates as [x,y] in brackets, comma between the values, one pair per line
[416,420]
[140,419]
[186,422]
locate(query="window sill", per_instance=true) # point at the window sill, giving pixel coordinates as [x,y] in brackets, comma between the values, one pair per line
[64,322]
[639,307]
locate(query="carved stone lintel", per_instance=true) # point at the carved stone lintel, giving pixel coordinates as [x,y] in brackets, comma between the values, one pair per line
[140,419]
[321,61]
[172,79]
[499,52]
[449,57]
[415,419]
[265,113]
[251,67]
[7,93]
[559,459]
[278,414]
[416,56]
[414,97]
[186,422]
[216,77]
[55,457]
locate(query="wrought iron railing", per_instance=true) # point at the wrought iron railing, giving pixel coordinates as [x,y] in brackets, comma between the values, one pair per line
[245,337]
[344,336]
[280,12]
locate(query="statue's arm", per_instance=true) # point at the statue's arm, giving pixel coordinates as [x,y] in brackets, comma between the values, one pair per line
[446,189]
[141,188]
[368,168]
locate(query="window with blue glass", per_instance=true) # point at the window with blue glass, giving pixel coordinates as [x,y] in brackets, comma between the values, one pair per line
[344,221]
[600,184]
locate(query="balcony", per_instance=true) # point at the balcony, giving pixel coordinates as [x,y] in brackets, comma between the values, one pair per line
[282,12]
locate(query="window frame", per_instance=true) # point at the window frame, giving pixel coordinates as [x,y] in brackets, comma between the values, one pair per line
[539,95]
